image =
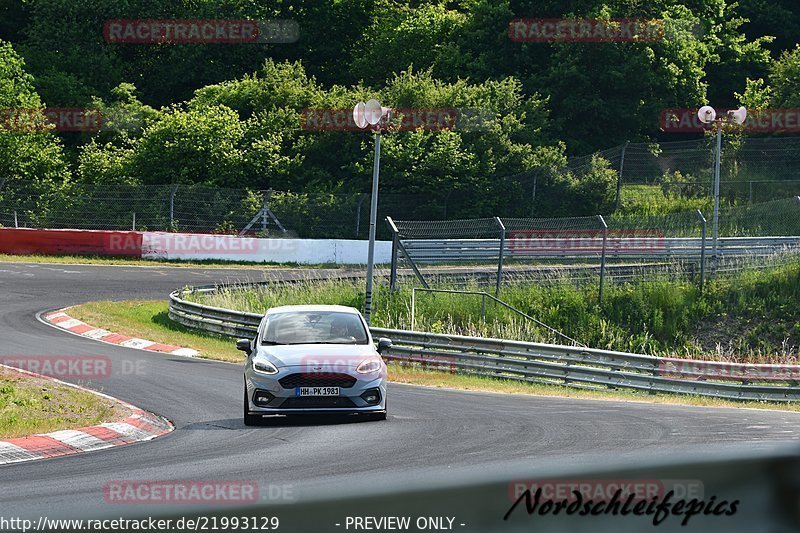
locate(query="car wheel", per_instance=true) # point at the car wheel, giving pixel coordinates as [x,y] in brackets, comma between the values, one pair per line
[249,420]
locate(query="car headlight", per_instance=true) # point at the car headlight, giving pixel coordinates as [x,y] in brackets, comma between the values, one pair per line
[264,367]
[369,366]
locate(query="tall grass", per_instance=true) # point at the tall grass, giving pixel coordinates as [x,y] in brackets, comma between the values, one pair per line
[750,316]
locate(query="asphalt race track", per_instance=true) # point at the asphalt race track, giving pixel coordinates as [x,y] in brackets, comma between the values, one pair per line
[429,432]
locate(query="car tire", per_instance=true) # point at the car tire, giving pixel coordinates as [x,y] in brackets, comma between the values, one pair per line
[249,420]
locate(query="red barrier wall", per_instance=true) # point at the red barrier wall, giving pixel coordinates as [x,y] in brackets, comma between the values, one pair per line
[70,242]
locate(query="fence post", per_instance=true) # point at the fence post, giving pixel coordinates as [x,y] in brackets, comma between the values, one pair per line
[703,223]
[395,238]
[603,258]
[413,303]
[16,223]
[500,256]
[133,225]
[172,192]
[361,199]
[619,176]
[265,210]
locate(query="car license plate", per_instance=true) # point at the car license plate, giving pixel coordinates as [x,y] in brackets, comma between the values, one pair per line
[317,391]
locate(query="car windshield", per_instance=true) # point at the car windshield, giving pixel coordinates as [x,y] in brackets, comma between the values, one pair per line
[314,327]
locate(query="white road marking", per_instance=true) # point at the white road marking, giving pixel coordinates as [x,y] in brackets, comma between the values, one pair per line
[80,440]
[68,324]
[137,343]
[96,333]
[11,453]
[185,352]
[128,430]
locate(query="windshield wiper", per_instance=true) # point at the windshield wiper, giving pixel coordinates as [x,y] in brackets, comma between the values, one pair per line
[273,343]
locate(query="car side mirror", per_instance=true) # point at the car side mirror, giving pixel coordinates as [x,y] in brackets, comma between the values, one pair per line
[384,344]
[244,345]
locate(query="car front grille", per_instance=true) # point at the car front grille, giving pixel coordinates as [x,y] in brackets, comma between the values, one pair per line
[328,379]
[316,402]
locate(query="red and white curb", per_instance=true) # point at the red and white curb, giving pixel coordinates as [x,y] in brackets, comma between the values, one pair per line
[138,426]
[62,320]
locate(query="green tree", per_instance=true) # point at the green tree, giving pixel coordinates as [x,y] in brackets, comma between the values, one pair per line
[27,155]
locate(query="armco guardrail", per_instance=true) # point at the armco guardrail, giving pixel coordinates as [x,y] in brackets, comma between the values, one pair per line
[535,362]
[427,251]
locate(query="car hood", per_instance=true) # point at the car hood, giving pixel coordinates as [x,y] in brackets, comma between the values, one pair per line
[310,355]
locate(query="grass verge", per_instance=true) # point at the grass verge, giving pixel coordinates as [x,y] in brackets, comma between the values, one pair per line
[149,320]
[31,405]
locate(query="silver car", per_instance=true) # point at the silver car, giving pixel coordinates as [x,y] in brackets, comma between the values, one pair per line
[313,359]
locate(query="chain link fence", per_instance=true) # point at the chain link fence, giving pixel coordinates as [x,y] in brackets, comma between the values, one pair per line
[600,249]
[754,170]
[203,209]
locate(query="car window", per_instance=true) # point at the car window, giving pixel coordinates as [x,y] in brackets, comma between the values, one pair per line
[314,327]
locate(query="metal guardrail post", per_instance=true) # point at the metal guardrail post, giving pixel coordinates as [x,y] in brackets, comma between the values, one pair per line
[265,209]
[402,248]
[603,258]
[363,196]
[703,223]
[413,304]
[619,176]
[500,256]
[172,192]
[395,241]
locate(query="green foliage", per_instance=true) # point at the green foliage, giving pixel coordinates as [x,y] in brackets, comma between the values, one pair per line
[28,156]
[785,79]
[561,192]
[222,114]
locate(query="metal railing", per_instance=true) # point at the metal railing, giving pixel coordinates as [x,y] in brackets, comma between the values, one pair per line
[536,362]
[754,233]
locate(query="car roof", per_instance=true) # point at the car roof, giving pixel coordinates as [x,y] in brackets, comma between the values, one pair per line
[317,308]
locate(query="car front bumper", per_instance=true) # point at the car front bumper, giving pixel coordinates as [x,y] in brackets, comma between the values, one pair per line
[286,401]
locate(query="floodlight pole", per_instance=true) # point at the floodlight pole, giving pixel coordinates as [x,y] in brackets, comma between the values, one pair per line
[373,216]
[715,234]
